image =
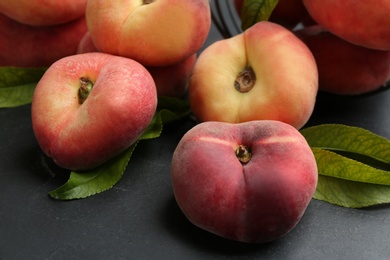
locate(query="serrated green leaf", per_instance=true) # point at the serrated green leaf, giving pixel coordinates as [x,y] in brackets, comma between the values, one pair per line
[254,11]
[353,165]
[17,85]
[351,194]
[334,165]
[354,140]
[85,184]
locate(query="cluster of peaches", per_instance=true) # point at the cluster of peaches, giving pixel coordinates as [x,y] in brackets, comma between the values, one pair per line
[37,33]
[244,172]
[107,61]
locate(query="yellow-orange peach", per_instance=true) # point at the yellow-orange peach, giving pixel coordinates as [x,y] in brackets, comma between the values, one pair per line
[265,72]
[155,33]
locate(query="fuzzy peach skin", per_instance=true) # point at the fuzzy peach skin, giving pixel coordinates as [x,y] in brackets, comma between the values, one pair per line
[285,85]
[346,68]
[86,44]
[43,12]
[29,46]
[255,202]
[81,136]
[365,23]
[155,33]
[171,80]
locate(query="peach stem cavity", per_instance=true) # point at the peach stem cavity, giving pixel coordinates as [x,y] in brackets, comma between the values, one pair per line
[85,88]
[245,80]
[243,153]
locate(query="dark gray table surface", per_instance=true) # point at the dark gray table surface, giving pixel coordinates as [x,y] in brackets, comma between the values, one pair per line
[139,218]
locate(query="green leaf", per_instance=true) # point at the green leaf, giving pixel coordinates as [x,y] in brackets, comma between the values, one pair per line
[17,85]
[353,165]
[334,165]
[351,194]
[349,139]
[254,11]
[168,110]
[176,107]
[84,184]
